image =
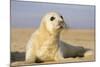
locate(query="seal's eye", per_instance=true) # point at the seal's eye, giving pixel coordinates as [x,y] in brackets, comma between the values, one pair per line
[52,18]
[61,17]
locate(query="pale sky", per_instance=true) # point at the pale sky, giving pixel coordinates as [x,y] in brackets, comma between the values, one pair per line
[28,14]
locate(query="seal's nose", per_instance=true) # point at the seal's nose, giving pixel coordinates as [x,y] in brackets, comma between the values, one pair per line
[61,22]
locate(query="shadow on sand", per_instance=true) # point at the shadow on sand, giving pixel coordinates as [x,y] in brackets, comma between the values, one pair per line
[67,51]
[17,56]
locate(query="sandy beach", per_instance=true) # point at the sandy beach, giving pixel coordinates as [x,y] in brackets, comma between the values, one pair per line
[84,38]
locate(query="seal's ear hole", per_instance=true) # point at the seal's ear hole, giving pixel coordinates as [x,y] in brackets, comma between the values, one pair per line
[52,18]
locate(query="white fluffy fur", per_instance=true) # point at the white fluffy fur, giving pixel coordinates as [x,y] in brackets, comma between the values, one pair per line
[44,42]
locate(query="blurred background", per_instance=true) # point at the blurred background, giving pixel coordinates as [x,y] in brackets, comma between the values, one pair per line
[28,14]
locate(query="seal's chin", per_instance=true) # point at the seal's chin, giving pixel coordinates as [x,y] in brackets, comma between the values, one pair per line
[61,27]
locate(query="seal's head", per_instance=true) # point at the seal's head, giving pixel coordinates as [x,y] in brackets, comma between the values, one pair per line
[53,21]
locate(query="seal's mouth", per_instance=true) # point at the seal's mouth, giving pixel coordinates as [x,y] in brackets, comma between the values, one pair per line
[60,27]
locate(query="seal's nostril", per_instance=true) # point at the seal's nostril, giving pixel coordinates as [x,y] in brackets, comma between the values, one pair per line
[61,21]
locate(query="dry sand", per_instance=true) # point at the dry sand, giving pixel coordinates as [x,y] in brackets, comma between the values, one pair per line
[75,37]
